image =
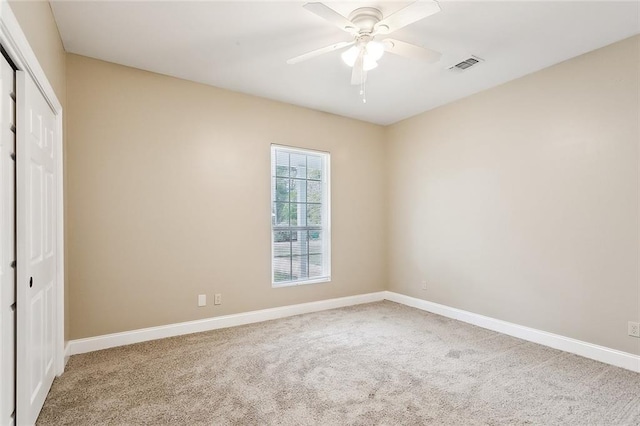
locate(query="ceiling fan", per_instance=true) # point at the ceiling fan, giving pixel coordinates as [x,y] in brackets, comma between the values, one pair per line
[366,24]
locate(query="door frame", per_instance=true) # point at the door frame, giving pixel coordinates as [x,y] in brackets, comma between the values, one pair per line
[15,43]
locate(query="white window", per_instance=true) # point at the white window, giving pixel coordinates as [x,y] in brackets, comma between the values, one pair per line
[300,216]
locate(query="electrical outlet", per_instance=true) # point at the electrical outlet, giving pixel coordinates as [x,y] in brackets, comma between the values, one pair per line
[424,285]
[202,300]
[217,299]
[634,329]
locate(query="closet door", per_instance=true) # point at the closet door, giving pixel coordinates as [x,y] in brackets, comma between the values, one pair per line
[36,250]
[7,245]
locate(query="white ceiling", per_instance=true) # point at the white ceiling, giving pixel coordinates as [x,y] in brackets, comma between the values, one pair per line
[243,46]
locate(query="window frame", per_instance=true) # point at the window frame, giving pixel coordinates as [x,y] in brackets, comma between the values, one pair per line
[326,214]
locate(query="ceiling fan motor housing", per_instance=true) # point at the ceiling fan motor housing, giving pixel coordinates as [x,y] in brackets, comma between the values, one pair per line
[365,18]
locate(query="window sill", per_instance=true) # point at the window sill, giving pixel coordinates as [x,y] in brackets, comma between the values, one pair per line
[305,282]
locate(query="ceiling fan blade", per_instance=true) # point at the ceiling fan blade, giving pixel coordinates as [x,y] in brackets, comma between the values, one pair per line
[414,12]
[411,51]
[319,52]
[358,74]
[328,14]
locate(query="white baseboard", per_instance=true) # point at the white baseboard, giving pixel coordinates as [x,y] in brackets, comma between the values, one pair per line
[567,344]
[106,341]
[578,347]
[67,353]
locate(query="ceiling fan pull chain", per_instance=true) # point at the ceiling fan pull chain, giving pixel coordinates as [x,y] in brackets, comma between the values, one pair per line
[363,85]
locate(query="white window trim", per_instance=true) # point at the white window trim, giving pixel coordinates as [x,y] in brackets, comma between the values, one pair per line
[326,225]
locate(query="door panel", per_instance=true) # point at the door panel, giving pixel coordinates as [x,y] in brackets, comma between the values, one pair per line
[49,321]
[48,219]
[36,310]
[36,285]
[36,211]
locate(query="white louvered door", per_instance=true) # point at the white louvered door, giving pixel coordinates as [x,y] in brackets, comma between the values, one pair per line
[36,251]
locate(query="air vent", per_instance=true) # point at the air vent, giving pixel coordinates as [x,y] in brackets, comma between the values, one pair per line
[466,64]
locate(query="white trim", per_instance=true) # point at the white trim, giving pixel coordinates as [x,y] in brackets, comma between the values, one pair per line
[60,344]
[14,41]
[303,282]
[567,344]
[67,353]
[106,341]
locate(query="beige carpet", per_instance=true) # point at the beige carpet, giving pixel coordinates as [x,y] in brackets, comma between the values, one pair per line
[380,363]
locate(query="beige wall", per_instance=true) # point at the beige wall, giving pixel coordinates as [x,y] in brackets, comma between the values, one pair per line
[169,197]
[521,202]
[39,26]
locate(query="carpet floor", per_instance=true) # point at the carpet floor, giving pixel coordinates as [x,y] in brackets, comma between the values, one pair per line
[374,364]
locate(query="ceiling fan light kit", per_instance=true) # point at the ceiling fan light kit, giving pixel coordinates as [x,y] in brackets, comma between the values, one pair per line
[371,50]
[365,23]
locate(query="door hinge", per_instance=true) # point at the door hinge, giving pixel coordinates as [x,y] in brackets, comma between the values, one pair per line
[13,263]
[13,156]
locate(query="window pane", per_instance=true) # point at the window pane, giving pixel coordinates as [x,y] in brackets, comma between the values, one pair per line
[299,245]
[281,256]
[315,266]
[298,191]
[281,269]
[315,242]
[299,267]
[293,215]
[282,163]
[281,243]
[298,166]
[281,214]
[314,191]
[314,167]
[314,215]
[298,214]
[281,190]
